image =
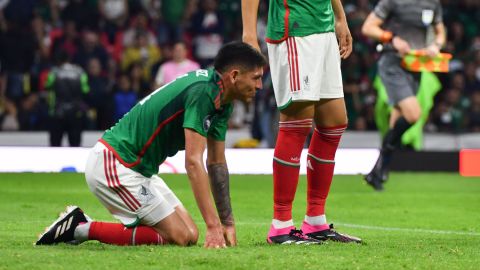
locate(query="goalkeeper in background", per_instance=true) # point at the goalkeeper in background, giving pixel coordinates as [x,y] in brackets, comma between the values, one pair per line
[402,26]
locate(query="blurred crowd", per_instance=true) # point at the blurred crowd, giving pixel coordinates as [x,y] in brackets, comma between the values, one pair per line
[127,48]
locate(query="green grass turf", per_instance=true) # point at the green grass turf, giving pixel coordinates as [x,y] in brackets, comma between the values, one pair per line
[421,221]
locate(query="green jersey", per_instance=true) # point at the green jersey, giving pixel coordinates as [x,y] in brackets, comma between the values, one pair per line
[154,128]
[298,18]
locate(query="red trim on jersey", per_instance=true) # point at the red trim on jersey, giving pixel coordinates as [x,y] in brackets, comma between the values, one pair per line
[218,97]
[147,144]
[285,21]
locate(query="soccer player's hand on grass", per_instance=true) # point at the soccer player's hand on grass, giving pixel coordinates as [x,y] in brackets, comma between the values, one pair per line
[214,238]
[230,235]
[401,45]
[344,38]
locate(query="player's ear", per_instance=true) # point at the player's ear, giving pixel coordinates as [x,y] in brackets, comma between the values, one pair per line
[234,75]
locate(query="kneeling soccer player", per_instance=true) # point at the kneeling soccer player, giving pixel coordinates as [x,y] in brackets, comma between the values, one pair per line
[190,113]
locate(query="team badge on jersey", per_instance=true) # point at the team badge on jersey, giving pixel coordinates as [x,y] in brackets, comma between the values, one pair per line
[207,122]
[427,16]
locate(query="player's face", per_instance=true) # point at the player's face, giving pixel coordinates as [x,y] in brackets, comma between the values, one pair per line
[247,83]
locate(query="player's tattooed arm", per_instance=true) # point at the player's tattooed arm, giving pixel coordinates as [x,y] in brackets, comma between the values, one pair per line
[220,185]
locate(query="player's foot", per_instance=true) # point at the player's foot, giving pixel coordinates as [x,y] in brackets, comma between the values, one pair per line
[383,172]
[62,230]
[290,236]
[374,180]
[381,169]
[332,235]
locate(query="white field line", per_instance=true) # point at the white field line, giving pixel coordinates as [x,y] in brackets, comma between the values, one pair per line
[379,228]
[349,225]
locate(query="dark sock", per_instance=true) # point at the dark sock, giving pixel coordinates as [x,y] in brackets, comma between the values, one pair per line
[392,140]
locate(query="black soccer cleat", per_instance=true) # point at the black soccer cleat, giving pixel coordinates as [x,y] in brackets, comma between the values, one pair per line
[374,180]
[332,235]
[62,230]
[294,237]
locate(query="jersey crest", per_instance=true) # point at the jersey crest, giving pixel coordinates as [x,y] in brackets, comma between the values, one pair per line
[207,122]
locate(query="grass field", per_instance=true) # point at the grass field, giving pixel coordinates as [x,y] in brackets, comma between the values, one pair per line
[421,221]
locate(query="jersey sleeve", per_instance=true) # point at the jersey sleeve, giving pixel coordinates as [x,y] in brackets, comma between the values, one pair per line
[438,14]
[383,9]
[198,108]
[218,129]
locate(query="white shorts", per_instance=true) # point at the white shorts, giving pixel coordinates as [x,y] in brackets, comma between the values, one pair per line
[305,69]
[131,197]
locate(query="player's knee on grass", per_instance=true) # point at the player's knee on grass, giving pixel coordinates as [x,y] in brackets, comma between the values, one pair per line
[181,238]
[187,219]
[175,231]
[193,235]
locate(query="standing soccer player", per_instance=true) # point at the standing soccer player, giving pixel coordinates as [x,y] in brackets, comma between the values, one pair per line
[306,40]
[190,113]
[402,26]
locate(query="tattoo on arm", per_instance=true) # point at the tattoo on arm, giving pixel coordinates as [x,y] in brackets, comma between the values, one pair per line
[220,185]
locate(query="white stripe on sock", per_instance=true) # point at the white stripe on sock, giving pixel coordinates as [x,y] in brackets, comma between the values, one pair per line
[316,220]
[278,224]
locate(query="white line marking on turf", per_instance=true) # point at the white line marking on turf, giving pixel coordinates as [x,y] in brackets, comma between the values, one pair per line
[379,228]
[349,225]
[367,227]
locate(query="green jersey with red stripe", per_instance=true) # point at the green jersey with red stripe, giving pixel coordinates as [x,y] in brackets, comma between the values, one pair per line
[154,128]
[298,18]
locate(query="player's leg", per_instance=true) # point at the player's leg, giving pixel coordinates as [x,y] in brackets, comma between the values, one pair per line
[146,216]
[331,122]
[294,126]
[190,228]
[403,116]
[189,223]
[152,214]
[401,87]
[74,130]
[55,130]
[169,230]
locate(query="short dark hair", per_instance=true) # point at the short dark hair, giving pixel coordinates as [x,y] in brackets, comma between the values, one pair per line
[238,54]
